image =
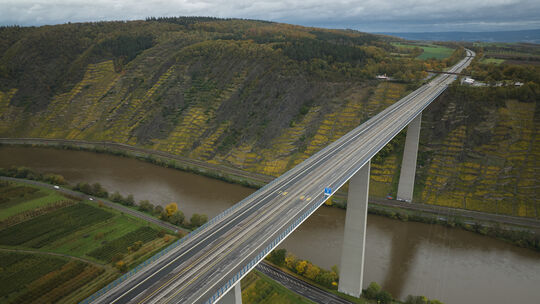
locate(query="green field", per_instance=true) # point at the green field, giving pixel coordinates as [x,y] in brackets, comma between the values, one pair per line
[16,198]
[258,288]
[429,50]
[93,234]
[492,60]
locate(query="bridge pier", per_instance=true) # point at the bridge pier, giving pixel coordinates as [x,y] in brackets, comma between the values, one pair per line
[234,296]
[354,240]
[408,165]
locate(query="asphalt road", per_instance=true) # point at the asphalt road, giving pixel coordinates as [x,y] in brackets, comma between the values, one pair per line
[292,283]
[199,268]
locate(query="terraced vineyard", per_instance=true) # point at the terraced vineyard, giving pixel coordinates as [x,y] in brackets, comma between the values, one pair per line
[499,175]
[263,96]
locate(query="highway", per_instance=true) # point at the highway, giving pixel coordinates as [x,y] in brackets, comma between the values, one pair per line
[204,266]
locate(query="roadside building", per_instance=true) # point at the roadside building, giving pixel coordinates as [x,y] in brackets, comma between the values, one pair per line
[468,81]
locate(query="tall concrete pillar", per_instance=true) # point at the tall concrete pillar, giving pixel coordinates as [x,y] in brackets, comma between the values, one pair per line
[354,241]
[408,166]
[234,296]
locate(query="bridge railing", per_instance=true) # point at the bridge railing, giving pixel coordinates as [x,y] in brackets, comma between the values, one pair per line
[158,255]
[260,256]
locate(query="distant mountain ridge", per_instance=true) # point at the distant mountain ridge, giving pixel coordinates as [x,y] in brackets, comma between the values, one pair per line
[528,36]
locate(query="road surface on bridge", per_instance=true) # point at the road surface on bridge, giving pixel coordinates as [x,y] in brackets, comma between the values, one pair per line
[200,266]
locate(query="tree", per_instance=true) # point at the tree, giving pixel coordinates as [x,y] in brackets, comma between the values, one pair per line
[146,206]
[312,271]
[177,218]
[198,220]
[84,188]
[372,290]
[278,256]
[170,209]
[117,197]
[290,261]
[129,200]
[326,278]
[416,300]
[120,265]
[158,210]
[98,190]
[384,297]
[301,267]
[335,269]
[55,179]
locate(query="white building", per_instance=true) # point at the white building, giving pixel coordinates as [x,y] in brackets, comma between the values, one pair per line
[468,80]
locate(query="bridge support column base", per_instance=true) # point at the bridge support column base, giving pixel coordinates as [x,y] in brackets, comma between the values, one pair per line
[234,296]
[354,240]
[408,165]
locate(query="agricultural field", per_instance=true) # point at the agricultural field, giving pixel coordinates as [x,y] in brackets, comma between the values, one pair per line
[19,198]
[63,252]
[492,60]
[258,288]
[429,50]
[35,278]
[510,53]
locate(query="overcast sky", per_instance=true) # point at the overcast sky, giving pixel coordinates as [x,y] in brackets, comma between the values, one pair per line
[368,15]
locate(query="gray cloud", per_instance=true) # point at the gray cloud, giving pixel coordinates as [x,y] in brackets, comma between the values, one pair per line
[367,15]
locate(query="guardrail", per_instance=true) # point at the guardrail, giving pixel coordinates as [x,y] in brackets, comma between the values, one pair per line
[260,256]
[220,216]
[158,255]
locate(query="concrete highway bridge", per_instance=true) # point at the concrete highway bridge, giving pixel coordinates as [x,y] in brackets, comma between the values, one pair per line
[206,266]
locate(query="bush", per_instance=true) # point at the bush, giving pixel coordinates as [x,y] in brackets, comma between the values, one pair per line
[129,201]
[372,290]
[55,179]
[98,190]
[198,220]
[383,297]
[170,209]
[117,197]
[420,300]
[146,206]
[277,257]
[120,265]
[177,218]
[158,210]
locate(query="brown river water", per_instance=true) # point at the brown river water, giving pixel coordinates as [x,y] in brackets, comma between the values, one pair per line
[451,265]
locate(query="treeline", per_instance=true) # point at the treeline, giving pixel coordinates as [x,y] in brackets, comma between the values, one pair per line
[308,49]
[27,173]
[493,72]
[330,278]
[188,20]
[326,278]
[170,213]
[521,238]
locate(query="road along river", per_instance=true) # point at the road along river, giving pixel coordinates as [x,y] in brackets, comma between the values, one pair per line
[451,265]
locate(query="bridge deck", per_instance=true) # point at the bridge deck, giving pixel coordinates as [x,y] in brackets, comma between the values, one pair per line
[206,265]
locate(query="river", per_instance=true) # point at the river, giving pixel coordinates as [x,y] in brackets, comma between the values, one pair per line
[451,265]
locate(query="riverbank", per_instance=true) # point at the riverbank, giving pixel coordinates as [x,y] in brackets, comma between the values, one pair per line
[499,226]
[164,159]
[404,257]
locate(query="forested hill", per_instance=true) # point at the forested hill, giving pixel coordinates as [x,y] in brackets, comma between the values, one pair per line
[187,85]
[264,96]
